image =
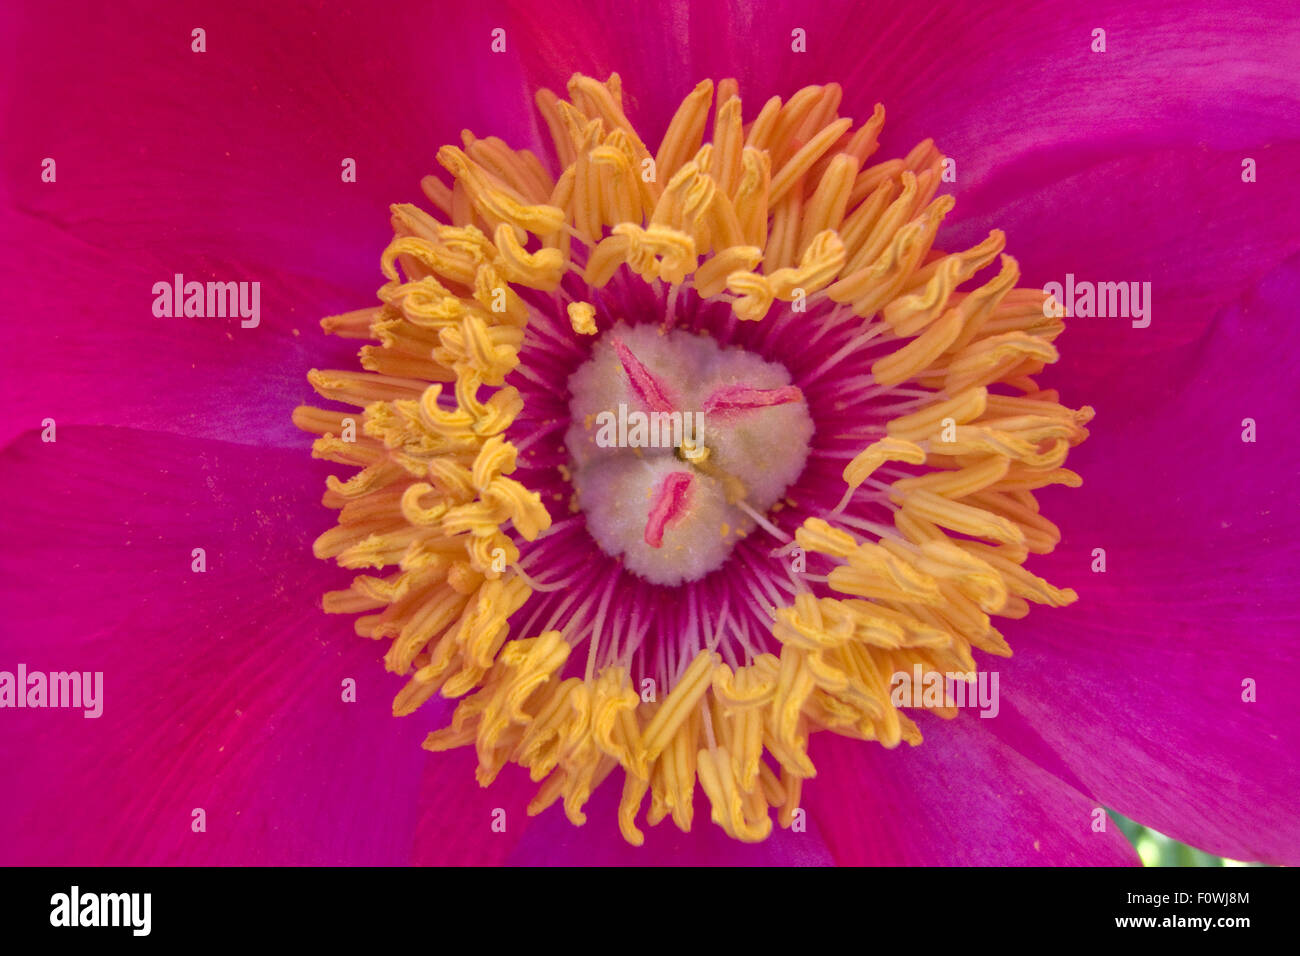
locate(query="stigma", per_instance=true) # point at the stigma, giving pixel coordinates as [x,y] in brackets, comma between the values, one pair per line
[675,442]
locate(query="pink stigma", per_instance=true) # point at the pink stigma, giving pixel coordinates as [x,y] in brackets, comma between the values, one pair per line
[647,388]
[669,505]
[738,398]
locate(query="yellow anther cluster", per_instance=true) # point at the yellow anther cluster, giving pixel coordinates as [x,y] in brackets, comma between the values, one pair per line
[782,209]
[582,316]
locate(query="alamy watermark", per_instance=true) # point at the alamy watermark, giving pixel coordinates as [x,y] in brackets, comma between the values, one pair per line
[75,908]
[208,300]
[638,429]
[937,689]
[77,690]
[1102,300]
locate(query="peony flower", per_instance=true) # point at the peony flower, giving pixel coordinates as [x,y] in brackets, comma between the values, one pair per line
[825,530]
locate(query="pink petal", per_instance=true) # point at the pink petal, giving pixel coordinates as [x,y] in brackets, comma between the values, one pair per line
[224,165]
[1139,686]
[962,798]
[972,70]
[461,823]
[222,690]
[1179,219]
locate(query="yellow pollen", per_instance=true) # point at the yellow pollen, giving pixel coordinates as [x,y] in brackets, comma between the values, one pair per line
[582,316]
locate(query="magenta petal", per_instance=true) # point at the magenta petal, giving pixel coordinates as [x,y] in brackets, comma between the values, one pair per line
[962,798]
[1139,686]
[224,165]
[461,823]
[998,80]
[1179,219]
[1174,73]
[107,361]
[223,690]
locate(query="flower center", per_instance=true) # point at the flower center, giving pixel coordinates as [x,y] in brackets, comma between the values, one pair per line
[908,530]
[675,443]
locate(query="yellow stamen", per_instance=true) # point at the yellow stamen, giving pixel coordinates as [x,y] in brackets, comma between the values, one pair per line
[782,210]
[876,454]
